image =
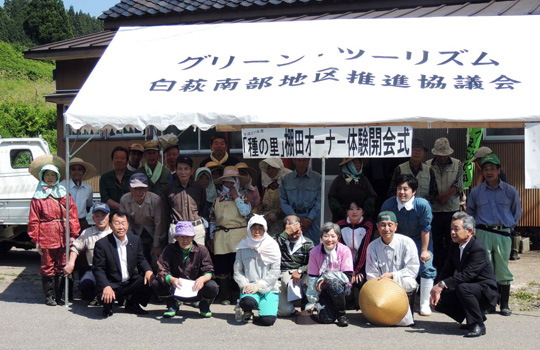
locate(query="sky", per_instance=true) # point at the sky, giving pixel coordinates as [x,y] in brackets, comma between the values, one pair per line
[94,7]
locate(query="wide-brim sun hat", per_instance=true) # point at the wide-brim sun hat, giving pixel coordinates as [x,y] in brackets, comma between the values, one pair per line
[252,172]
[90,169]
[442,147]
[231,171]
[346,160]
[39,162]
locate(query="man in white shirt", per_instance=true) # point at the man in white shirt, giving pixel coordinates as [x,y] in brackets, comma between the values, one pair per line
[117,266]
[394,256]
[85,244]
[81,192]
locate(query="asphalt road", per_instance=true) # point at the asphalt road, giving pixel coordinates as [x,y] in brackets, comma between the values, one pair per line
[27,323]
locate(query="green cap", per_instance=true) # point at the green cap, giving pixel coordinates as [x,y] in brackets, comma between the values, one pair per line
[386,216]
[490,158]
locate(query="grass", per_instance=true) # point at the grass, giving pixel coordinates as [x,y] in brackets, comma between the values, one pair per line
[527,298]
[23,80]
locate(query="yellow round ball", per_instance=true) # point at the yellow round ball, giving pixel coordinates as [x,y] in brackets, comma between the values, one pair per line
[383,302]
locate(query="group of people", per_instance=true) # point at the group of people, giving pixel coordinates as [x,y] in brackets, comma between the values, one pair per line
[233,235]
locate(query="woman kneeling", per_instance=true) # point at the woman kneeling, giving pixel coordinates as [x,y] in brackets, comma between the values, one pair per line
[256,270]
[330,271]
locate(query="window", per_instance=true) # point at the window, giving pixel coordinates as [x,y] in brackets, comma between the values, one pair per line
[504,134]
[20,158]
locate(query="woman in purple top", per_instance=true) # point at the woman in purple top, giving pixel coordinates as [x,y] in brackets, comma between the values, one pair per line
[330,270]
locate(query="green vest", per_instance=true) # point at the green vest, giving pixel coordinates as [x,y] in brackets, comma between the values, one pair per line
[444,182]
[423,178]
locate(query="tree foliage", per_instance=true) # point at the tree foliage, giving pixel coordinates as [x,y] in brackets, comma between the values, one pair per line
[47,22]
[36,22]
[22,120]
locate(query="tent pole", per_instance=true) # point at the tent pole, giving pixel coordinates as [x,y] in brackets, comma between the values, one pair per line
[323,181]
[66,291]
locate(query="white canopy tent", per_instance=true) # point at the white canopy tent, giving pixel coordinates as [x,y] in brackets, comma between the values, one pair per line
[330,72]
[313,73]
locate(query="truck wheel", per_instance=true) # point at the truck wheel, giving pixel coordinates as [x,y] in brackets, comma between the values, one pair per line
[5,247]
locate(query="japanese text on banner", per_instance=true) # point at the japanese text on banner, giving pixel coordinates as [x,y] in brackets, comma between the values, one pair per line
[338,142]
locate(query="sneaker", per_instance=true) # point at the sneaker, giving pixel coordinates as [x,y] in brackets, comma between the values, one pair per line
[94,302]
[248,315]
[204,308]
[342,321]
[172,309]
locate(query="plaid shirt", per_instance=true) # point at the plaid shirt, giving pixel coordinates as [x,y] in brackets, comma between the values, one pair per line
[300,258]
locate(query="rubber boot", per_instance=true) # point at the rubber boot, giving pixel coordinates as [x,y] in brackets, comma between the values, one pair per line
[514,254]
[426,285]
[224,283]
[505,298]
[172,307]
[59,284]
[340,304]
[204,307]
[48,289]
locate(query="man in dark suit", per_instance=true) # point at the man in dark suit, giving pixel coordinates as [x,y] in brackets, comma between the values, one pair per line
[116,258]
[472,290]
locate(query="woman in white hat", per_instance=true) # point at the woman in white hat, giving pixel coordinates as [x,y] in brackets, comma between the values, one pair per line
[256,270]
[272,170]
[227,228]
[47,224]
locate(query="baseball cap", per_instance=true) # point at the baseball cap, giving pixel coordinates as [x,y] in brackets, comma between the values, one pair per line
[490,158]
[138,180]
[386,216]
[185,160]
[101,206]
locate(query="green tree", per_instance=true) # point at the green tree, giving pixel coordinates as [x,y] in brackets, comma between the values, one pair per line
[15,12]
[83,23]
[47,21]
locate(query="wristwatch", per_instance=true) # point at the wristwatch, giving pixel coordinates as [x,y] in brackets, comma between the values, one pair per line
[300,271]
[441,284]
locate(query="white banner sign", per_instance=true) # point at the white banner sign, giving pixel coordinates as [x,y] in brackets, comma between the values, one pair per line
[338,142]
[532,155]
[319,73]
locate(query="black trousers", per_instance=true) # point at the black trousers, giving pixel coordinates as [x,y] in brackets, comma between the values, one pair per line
[440,230]
[208,291]
[135,288]
[465,302]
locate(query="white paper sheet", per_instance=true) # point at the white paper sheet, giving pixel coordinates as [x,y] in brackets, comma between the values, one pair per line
[186,289]
[294,291]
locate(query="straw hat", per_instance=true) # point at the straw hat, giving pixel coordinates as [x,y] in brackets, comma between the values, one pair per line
[212,165]
[252,172]
[442,147]
[231,171]
[347,160]
[90,169]
[384,302]
[39,162]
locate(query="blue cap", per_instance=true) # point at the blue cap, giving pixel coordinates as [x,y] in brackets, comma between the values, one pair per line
[138,180]
[101,206]
[185,160]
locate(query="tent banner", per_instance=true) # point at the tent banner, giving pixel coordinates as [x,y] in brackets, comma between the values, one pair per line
[473,142]
[532,155]
[331,142]
[316,73]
